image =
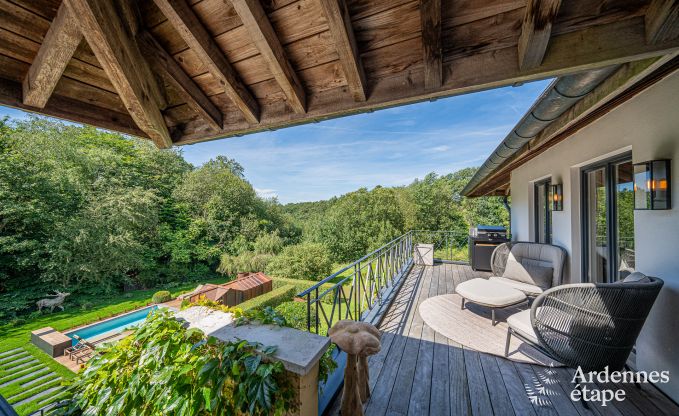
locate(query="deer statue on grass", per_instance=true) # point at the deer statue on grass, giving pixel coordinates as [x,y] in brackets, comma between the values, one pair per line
[56,302]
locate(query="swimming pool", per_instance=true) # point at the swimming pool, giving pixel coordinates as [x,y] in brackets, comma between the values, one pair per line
[112,326]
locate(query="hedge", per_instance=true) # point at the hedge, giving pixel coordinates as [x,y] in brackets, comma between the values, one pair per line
[295,314]
[302,285]
[273,298]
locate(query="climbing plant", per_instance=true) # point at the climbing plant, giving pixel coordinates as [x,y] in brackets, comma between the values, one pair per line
[166,369]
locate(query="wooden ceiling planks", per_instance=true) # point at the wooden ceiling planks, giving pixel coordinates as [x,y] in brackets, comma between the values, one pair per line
[478,39]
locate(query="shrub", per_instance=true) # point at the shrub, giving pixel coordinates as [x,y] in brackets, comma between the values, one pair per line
[193,376]
[309,261]
[161,296]
[268,244]
[302,285]
[295,314]
[273,298]
[246,261]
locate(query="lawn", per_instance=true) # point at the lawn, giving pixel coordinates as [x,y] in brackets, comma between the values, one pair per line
[17,385]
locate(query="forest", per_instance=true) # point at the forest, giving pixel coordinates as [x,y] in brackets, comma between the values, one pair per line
[97,213]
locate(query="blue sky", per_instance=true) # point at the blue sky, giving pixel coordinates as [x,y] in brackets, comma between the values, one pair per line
[388,147]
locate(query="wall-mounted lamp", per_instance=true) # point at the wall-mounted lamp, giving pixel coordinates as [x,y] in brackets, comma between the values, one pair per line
[556,196]
[652,187]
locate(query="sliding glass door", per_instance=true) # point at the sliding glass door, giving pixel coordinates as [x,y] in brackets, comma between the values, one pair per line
[608,214]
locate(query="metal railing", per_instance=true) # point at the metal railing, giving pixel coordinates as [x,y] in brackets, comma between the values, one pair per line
[357,290]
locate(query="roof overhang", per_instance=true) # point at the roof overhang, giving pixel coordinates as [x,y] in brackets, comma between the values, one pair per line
[566,106]
[185,71]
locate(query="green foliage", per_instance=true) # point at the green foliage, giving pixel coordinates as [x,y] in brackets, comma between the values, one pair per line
[295,314]
[308,261]
[273,298]
[360,222]
[208,303]
[246,261]
[302,285]
[166,369]
[161,296]
[91,212]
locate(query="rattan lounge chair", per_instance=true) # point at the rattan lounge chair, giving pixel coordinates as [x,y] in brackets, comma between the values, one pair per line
[591,325]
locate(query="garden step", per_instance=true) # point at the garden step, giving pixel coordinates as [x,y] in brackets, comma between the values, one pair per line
[10,365]
[9,352]
[13,357]
[39,395]
[24,371]
[30,392]
[24,364]
[38,370]
[44,378]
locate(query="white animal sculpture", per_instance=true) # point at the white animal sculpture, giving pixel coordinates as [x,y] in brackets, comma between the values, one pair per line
[55,302]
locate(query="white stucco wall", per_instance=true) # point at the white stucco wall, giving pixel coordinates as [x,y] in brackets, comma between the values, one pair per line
[648,125]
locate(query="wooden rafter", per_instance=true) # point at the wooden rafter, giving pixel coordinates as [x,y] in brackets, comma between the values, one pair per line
[185,21]
[536,30]
[72,110]
[662,21]
[430,16]
[261,32]
[59,45]
[339,23]
[119,55]
[161,62]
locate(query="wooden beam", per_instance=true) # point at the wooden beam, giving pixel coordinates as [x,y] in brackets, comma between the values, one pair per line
[662,21]
[162,63]
[72,110]
[264,37]
[536,30]
[339,23]
[185,21]
[56,50]
[119,55]
[615,43]
[430,17]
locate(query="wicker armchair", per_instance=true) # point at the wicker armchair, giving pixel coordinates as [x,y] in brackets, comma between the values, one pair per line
[587,325]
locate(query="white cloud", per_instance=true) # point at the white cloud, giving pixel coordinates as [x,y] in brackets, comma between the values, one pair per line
[266,193]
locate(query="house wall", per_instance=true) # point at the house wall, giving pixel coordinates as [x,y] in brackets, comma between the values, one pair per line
[648,125]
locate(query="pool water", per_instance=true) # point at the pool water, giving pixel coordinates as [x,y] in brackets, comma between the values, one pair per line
[112,326]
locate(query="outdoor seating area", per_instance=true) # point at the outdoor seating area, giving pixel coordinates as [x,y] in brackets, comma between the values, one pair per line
[420,371]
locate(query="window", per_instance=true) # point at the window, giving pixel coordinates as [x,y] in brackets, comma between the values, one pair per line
[543,212]
[608,220]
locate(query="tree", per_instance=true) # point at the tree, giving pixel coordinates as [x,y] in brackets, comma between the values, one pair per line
[307,261]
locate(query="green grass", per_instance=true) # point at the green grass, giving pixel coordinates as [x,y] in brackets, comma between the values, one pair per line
[19,336]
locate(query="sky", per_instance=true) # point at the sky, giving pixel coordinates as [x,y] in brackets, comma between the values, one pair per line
[388,147]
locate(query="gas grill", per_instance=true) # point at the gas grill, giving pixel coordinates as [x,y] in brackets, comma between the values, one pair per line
[482,241]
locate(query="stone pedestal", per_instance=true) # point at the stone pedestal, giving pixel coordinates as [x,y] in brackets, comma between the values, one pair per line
[424,254]
[298,351]
[51,341]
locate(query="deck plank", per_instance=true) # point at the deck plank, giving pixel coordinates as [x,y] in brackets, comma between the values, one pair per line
[379,401]
[421,372]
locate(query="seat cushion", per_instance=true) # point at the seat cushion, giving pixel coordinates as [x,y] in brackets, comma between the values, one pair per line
[487,293]
[529,271]
[528,289]
[520,322]
[637,277]
[545,255]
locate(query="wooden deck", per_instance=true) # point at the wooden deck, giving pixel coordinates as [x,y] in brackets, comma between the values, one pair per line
[419,372]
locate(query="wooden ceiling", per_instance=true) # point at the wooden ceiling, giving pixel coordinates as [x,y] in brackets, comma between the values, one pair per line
[185,71]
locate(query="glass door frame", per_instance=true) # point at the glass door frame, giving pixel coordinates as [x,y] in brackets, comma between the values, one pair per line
[547,183]
[611,214]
